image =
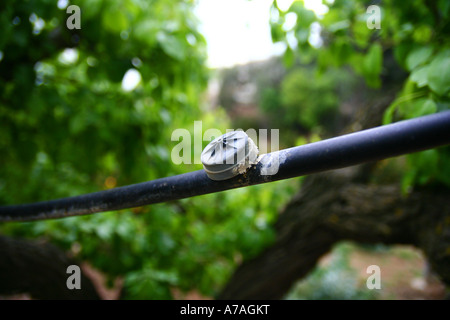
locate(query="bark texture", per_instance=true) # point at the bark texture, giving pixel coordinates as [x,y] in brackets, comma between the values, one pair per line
[329,209]
[38,269]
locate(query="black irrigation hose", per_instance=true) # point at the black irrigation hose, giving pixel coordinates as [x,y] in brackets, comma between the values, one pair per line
[369,145]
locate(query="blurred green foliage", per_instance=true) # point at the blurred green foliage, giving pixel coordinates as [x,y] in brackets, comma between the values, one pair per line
[305,102]
[68,127]
[308,102]
[417,32]
[72,116]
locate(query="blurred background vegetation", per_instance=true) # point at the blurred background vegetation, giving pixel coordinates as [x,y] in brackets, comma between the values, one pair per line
[69,125]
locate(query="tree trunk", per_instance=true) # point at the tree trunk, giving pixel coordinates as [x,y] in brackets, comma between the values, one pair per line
[330,209]
[38,269]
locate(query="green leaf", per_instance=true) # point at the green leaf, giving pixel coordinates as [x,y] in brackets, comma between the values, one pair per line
[401,51]
[408,181]
[276,32]
[302,35]
[340,25]
[288,57]
[171,45]
[304,16]
[146,30]
[115,20]
[342,52]
[424,107]
[417,108]
[422,34]
[362,34]
[438,75]
[389,113]
[420,76]
[444,8]
[374,59]
[418,57]
[372,65]
[356,61]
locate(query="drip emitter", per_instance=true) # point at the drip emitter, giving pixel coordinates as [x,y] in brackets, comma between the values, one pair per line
[229,155]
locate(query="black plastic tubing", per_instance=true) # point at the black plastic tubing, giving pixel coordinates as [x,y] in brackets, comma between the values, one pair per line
[369,145]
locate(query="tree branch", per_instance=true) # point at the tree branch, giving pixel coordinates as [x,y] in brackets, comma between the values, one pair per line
[330,209]
[38,269]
